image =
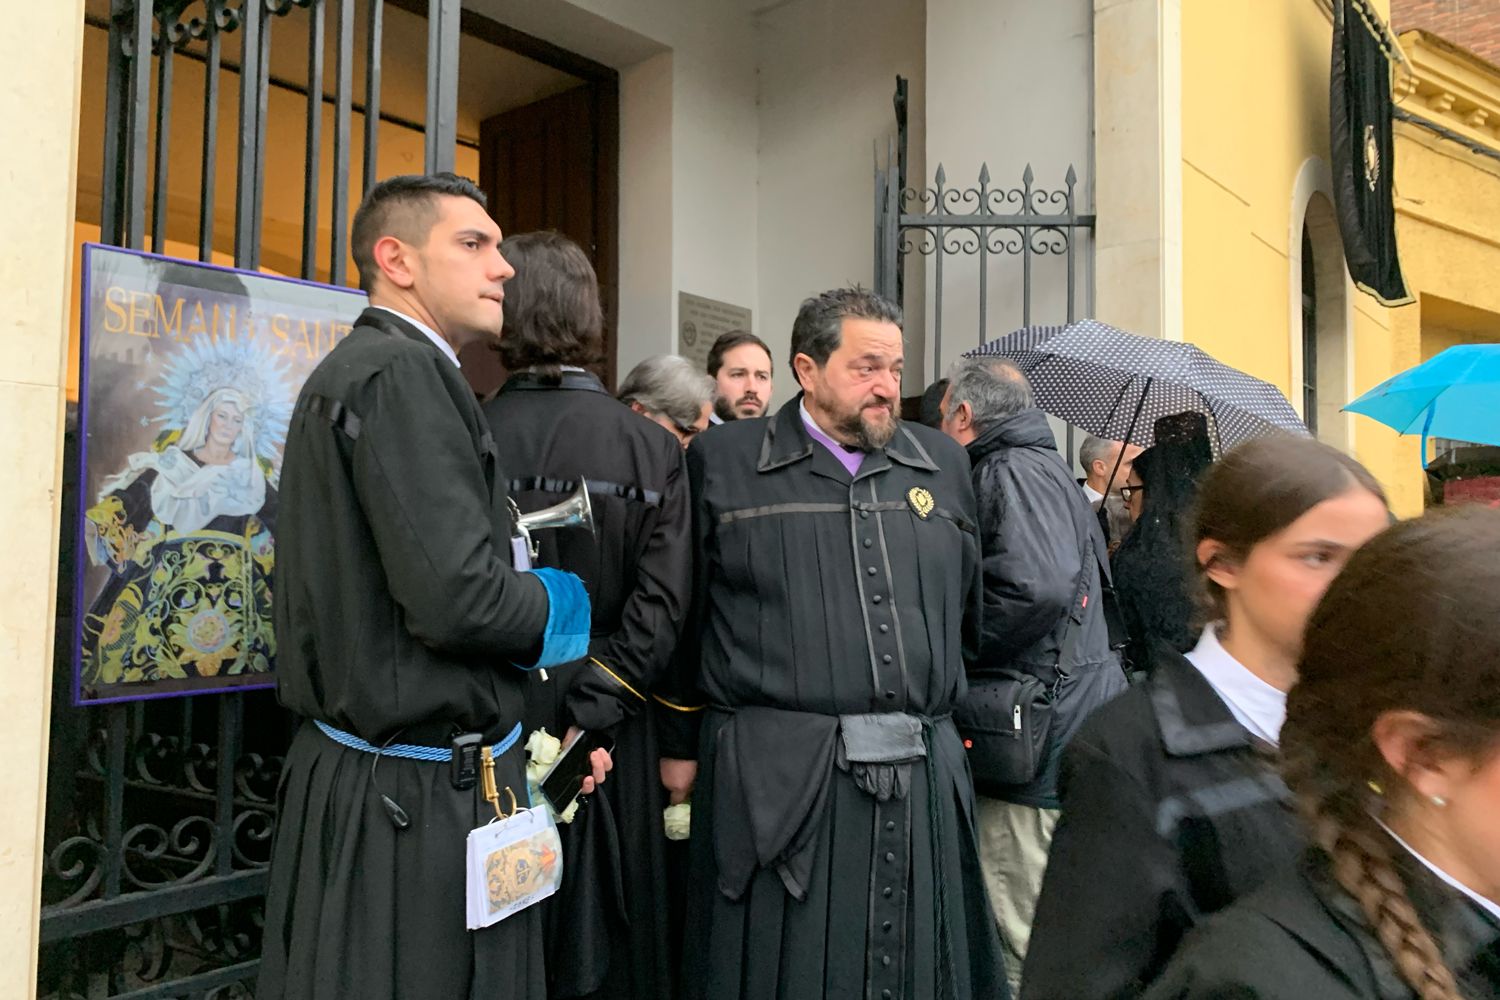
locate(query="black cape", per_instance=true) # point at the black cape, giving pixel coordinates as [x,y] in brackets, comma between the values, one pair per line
[1169,813]
[1303,936]
[607,928]
[398,616]
[823,596]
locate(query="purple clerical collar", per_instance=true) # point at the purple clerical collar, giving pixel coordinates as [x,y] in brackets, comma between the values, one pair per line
[848,457]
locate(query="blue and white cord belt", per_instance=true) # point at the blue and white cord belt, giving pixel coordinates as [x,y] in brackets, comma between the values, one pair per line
[410,751]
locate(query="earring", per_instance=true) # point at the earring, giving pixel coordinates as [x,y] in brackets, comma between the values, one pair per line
[1374,786]
[1439,801]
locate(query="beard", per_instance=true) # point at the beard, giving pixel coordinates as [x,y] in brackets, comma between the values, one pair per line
[866,428]
[728,409]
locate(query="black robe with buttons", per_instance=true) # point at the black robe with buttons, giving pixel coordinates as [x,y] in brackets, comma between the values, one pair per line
[607,928]
[822,595]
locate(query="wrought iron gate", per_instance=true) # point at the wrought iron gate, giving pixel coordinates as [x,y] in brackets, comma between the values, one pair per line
[977,225]
[160,814]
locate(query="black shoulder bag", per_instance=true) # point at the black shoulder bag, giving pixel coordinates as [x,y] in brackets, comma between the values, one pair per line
[1007,713]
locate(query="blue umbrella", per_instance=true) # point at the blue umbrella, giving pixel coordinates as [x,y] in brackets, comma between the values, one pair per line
[1117,384]
[1453,395]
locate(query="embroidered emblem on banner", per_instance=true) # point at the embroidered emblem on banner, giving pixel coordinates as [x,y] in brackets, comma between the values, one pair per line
[920,500]
[1372,158]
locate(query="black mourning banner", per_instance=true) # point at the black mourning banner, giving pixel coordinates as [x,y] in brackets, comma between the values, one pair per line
[1359,113]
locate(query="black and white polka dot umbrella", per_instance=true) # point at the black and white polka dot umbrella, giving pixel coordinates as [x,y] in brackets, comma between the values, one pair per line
[1116,384]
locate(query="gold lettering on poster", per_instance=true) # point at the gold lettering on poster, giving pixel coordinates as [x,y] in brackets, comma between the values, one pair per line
[183,318]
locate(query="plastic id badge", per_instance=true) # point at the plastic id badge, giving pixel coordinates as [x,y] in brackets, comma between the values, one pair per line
[512,863]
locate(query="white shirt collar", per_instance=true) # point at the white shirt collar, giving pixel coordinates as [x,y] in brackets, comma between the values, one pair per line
[1487,904]
[1256,705]
[1093,495]
[428,332]
[714,418]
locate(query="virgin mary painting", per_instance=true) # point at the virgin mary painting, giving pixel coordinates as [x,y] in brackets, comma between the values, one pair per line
[185,531]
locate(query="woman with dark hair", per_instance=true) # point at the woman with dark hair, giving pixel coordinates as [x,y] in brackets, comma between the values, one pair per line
[1392,748]
[1171,809]
[1152,569]
[555,425]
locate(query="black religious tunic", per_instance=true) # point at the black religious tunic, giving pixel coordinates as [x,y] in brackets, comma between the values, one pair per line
[834,850]
[607,926]
[399,617]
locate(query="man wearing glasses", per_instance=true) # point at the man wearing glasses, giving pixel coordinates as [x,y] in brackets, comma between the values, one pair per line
[670,391]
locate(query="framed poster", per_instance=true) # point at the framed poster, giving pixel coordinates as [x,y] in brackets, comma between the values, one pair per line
[188,376]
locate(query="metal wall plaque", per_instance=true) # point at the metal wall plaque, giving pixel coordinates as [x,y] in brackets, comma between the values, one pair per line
[701,321]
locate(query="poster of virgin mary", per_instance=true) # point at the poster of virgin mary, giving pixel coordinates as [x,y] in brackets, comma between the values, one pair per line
[189,377]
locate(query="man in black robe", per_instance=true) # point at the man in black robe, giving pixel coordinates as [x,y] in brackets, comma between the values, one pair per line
[401,623]
[556,425]
[833,827]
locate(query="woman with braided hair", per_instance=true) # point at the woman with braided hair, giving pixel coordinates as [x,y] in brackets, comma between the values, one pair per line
[1392,747]
[1171,805]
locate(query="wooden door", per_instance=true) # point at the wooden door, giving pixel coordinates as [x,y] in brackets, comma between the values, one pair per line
[552,165]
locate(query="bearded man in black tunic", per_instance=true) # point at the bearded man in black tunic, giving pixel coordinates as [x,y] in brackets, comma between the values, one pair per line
[402,623]
[833,816]
[556,426]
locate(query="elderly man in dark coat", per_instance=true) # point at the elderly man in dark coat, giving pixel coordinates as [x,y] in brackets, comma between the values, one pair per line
[401,624]
[1044,576]
[557,426]
[833,828]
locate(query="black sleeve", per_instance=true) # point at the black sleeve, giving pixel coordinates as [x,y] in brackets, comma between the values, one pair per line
[1031,559]
[618,677]
[422,490]
[1109,914]
[679,700]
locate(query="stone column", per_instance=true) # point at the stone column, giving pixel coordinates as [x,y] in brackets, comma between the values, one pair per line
[40,60]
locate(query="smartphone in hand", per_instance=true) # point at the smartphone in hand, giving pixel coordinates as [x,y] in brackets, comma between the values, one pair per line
[564,779]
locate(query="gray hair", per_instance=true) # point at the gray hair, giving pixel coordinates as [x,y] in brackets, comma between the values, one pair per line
[993,387]
[1095,449]
[669,385]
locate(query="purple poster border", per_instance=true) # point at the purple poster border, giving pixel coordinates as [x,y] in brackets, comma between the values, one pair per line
[80,561]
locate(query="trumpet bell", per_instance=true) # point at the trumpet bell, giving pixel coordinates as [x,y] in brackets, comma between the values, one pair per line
[574,512]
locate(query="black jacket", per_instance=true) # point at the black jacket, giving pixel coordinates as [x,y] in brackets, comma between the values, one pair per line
[1043,559]
[552,431]
[1303,936]
[1169,813]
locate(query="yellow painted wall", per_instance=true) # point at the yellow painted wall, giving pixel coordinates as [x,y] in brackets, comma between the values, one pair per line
[1254,109]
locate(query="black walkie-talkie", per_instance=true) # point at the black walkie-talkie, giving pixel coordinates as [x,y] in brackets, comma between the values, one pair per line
[463,766]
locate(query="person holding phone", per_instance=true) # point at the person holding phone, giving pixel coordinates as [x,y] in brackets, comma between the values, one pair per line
[404,630]
[556,426]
